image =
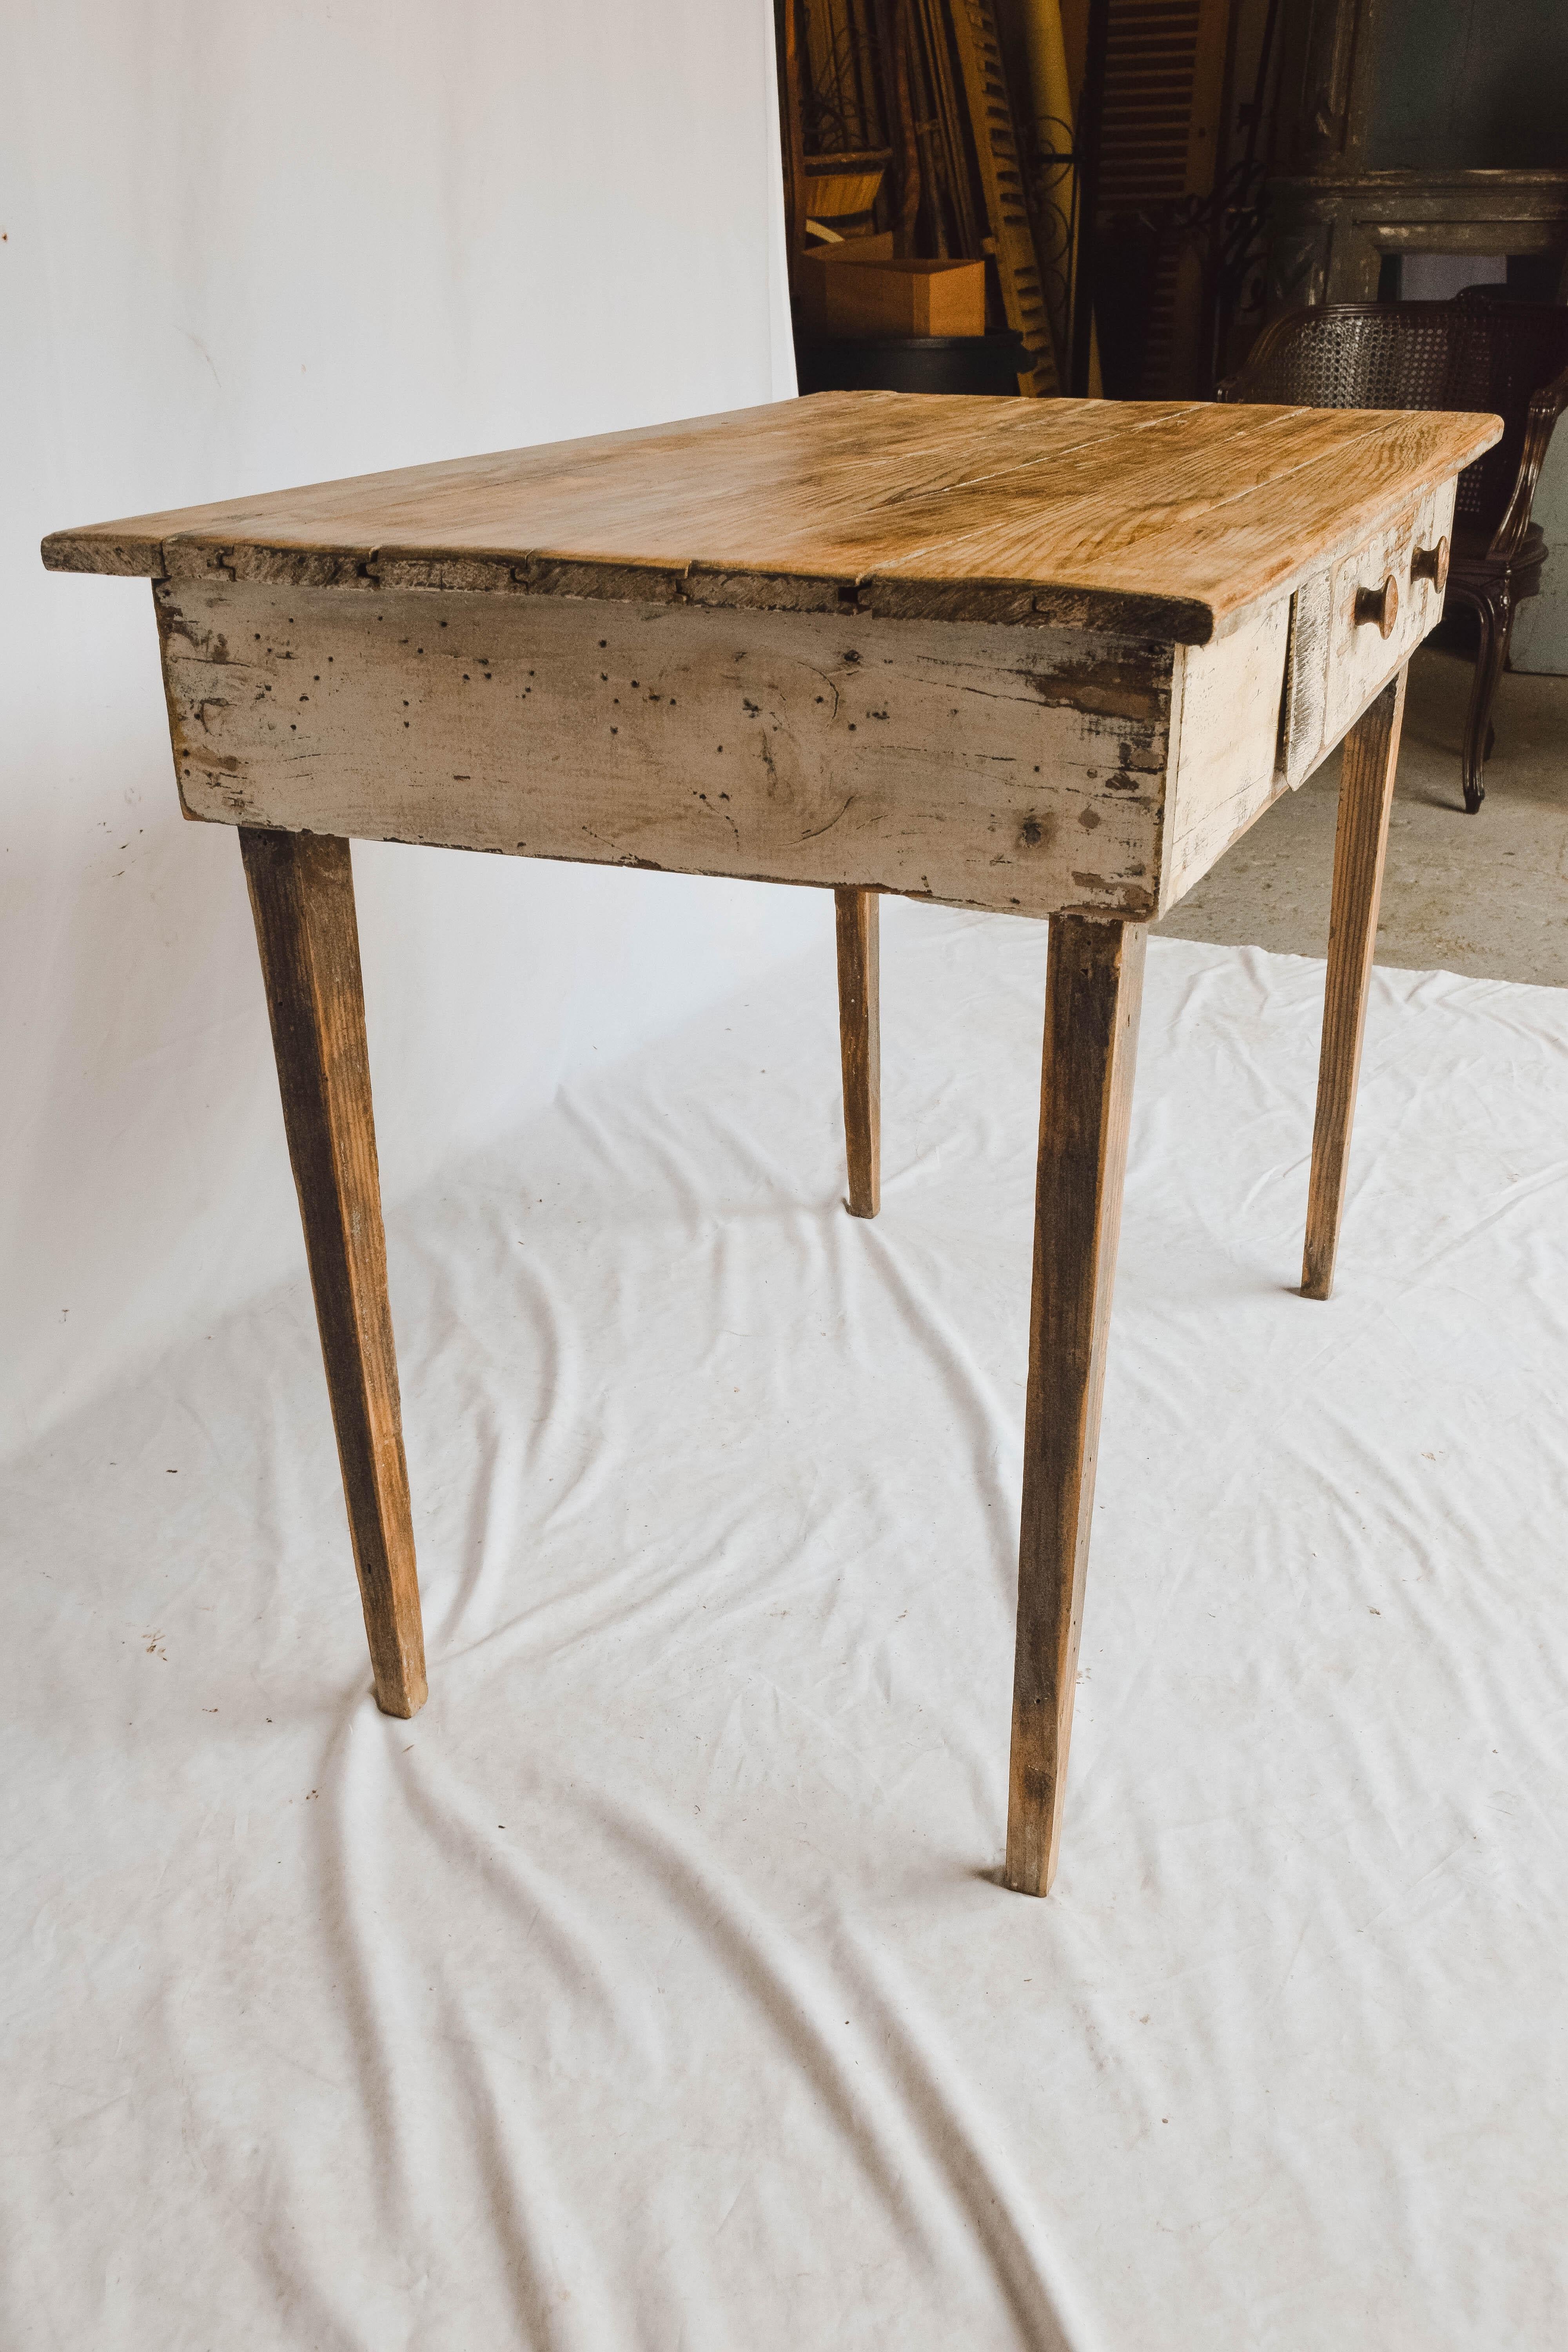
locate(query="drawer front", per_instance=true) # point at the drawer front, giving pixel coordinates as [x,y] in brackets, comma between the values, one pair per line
[1337,661]
[1361,660]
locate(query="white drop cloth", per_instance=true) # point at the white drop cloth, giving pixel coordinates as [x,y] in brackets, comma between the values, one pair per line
[652,1989]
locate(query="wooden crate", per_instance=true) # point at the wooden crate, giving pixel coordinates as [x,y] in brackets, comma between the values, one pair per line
[844,293]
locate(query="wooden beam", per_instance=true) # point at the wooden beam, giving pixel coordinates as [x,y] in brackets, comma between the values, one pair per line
[860,1046]
[1360,840]
[1093,987]
[301,894]
[787,28]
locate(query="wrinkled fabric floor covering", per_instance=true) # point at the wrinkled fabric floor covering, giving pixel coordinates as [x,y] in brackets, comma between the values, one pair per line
[653,1987]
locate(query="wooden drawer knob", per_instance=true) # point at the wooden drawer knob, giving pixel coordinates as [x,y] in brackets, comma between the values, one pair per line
[1379,607]
[1431,564]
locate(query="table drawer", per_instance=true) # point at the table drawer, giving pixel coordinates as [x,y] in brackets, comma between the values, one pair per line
[1339,657]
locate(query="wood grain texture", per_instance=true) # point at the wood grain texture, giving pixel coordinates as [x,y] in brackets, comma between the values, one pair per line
[301,894]
[1304,706]
[1225,751]
[1178,507]
[1360,841]
[1093,988]
[844,293]
[1022,770]
[1163,518]
[970,764]
[1254,712]
[860,1046]
[1361,660]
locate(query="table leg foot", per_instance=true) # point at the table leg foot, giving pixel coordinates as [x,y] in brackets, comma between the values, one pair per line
[1360,841]
[1093,988]
[860,1044]
[301,894]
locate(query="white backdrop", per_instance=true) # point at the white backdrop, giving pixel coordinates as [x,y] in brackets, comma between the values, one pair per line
[246,248]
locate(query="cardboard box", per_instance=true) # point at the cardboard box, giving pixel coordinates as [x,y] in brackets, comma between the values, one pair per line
[844,293]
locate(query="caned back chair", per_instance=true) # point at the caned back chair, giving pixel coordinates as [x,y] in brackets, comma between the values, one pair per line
[1476,353]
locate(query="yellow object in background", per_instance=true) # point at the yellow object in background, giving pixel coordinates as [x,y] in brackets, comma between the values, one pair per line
[1051,111]
[1051,92]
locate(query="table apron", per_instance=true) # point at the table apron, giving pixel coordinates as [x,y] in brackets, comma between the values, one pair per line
[1026,770]
[1016,769]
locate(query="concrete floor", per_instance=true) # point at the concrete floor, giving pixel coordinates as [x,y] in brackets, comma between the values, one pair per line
[1485,894]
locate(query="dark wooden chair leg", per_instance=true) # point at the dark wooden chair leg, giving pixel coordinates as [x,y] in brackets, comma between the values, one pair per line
[1093,987]
[1494,610]
[860,1044]
[1360,841]
[301,894]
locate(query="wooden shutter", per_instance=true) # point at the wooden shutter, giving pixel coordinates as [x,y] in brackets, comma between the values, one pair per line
[1160,140]
[996,152]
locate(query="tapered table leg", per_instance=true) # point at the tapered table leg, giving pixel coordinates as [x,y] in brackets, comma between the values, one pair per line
[1093,987]
[301,894]
[1360,840]
[860,1044]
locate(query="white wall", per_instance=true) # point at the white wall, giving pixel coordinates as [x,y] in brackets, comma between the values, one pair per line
[250,247]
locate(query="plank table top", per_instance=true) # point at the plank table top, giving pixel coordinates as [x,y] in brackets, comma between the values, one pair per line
[1043,657]
[1155,519]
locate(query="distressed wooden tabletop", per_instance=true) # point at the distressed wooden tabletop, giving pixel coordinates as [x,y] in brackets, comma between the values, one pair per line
[1155,519]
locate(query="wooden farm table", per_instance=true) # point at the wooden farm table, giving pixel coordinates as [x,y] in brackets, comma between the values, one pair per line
[1047,657]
